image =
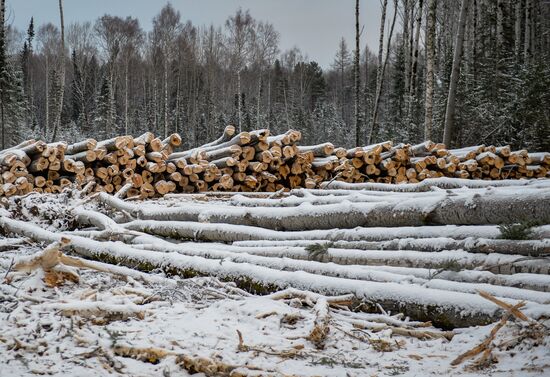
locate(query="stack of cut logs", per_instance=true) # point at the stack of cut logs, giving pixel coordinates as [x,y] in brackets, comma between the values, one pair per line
[249,161]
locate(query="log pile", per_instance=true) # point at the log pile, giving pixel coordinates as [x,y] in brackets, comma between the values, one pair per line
[147,166]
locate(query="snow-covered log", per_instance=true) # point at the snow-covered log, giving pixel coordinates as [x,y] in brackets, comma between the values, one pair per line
[444,309]
[428,184]
[459,208]
[231,233]
[367,273]
[473,245]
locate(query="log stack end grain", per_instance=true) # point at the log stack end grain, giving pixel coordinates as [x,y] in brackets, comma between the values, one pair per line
[147,166]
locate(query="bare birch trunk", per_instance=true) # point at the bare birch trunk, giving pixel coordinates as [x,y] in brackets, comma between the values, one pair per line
[126,83]
[178,105]
[390,296]
[430,61]
[455,73]
[3,44]
[357,76]
[239,99]
[379,68]
[406,45]
[165,96]
[414,66]
[258,101]
[373,130]
[267,126]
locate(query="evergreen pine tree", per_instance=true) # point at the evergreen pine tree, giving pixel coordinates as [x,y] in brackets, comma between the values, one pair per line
[104,121]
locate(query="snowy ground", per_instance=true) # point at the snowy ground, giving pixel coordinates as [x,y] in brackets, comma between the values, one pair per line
[77,328]
[125,322]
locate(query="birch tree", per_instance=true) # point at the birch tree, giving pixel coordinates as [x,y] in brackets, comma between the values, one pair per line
[380,75]
[166,27]
[430,57]
[357,73]
[240,30]
[3,72]
[455,73]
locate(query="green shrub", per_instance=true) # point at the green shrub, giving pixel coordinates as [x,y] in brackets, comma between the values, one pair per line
[317,250]
[519,231]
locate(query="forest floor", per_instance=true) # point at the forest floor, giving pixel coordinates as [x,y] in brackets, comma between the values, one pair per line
[82,329]
[114,320]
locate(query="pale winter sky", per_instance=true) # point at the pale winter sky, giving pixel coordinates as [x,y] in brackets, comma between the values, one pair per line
[315,26]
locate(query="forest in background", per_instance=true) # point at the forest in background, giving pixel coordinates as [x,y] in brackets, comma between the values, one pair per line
[482,65]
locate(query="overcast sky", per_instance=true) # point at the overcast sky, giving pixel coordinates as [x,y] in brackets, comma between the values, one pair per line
[315,26]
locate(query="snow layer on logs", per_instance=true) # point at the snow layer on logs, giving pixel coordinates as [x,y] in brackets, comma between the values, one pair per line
[461,305]
[231,232]
[428,184]
[490,206]
[366,273]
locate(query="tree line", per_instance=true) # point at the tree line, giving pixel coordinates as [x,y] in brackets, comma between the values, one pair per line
[464,72]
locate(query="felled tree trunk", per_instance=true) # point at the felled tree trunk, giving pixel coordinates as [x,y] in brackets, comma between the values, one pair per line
[441,208]
[425,185]
[534,248]
[453,309]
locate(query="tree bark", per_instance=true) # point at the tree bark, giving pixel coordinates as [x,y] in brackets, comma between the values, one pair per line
[467,209]
[430,62]
[3,58]
[379,67]
[357,77]
[528,25]
[374,128]
[414,63]
[239,107]
[455,73]
[165,95]
[454,309]
[126,107]
[57,121]
[406,35]
[500,25]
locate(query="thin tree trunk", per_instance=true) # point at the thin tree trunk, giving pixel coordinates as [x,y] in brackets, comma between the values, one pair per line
[381,72]
[342,90]
[455,73]
[527,38]
[406,33]
[430,61]
[47,123]
[357,76]
[475,40]
[366,87]
[178,105]
[258,101]
[239,99]
[269,99]
[286,108]
[57,122]
[126,83]
[414,63]
[379,68]
[500,25]
[3,56]
[165,96]
[195,98]
[517,29]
